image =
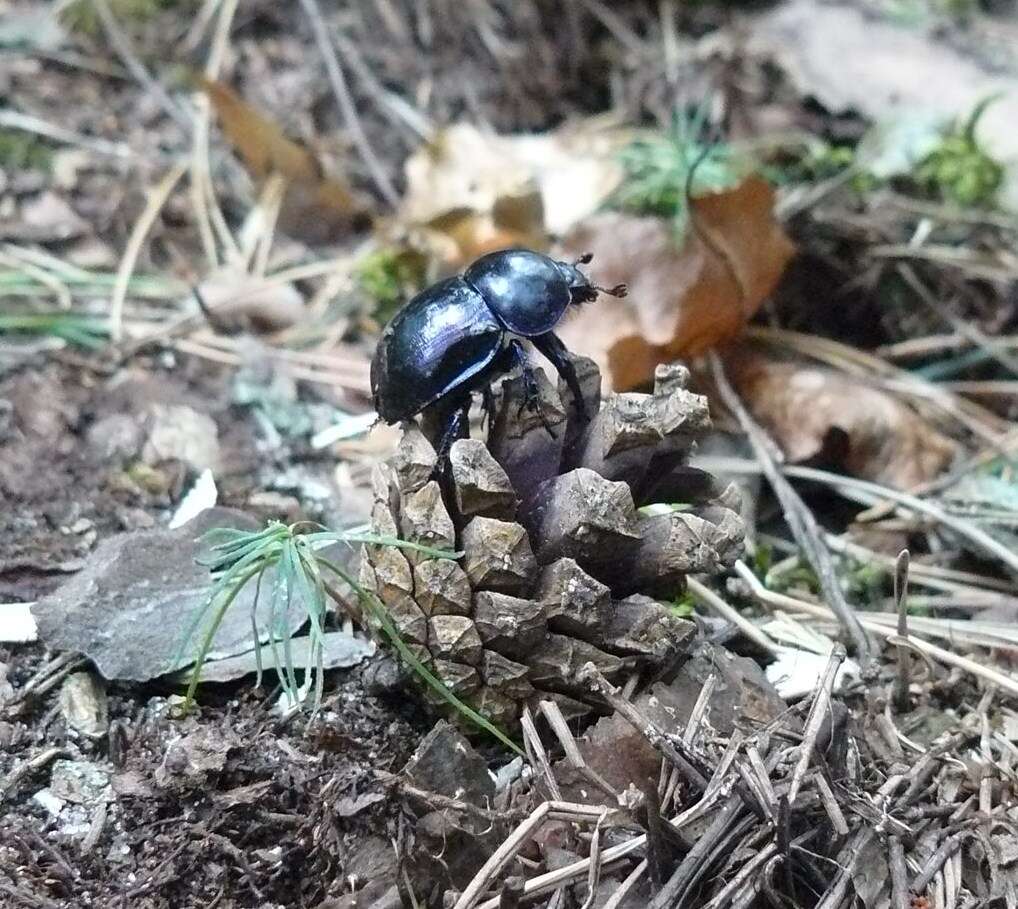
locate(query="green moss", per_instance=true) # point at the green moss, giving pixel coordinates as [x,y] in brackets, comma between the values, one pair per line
[959,170]
[23,151]
[80,15]
[684,606]
[817,161]
[659,171]
[389,277]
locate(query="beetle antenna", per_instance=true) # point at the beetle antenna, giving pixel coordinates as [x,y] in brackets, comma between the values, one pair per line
[585,259]
[619,290]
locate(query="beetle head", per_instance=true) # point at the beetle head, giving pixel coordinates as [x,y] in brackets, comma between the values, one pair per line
[581,289]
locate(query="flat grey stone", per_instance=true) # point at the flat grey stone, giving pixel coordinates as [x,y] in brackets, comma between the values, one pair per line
[339,651]
[130,606]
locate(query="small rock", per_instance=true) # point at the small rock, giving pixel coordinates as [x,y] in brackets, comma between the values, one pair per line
[446,763]
[116,438]
[49,218]
[189,761]
[80,782]
[129,608]
[84,706]
[273,505]
[339,651]
[179,433]
[49,801]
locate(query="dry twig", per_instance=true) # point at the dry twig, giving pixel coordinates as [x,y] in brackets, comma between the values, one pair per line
[799,518]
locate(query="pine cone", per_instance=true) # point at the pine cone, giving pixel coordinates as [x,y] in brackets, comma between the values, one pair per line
[559,567]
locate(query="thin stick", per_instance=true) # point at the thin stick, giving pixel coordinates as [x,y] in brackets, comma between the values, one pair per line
[831,806]
[619,896]
[536,753]
[1006,682]
[594,874]
[657,849]
[703,594]
[504,854]
[590,675]
[153,204]
[14,119]
[799,518]
[557,721]
[900,898]
[346,105]
[26,767]
[991,346]
[695,725]
[904,678]
[137,69]
[870,492]
[817,712]
[935,862]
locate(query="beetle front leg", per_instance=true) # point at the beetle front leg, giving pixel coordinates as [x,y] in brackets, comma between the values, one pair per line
[550,345]
[488,405]
[456,425]
[531,391]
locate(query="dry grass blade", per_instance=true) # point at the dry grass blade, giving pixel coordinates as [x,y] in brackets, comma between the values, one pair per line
[770,598]
[977,419]
[868,493]
[799,518]
[13,119]
[153,204]
[137,69]
[536,754]
[703,594]
[560,726]
[346,105]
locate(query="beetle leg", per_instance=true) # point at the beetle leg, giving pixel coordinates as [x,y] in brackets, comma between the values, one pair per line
[488,405]
[550,345]
[531,392]
[456,425]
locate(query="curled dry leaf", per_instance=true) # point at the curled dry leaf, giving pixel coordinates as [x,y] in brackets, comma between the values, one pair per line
[683,298]
[239,301]
[315,206]
[816,412]
[481,192]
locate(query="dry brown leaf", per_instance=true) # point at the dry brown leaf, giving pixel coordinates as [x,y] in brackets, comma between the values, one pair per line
[487,192]
[816,412]
[316,208]
[683,299]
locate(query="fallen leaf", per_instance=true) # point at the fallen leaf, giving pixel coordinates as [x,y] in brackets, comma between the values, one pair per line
[684,298]
[812,411]
[482,192]
[315,207]
[243,302]
[351,805]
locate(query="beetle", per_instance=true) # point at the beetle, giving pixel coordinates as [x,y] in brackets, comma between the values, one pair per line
[456,336]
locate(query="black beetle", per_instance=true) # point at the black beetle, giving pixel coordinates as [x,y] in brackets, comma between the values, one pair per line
[456,336]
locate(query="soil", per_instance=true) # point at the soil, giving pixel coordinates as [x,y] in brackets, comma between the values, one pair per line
[275,818]
[274,821]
